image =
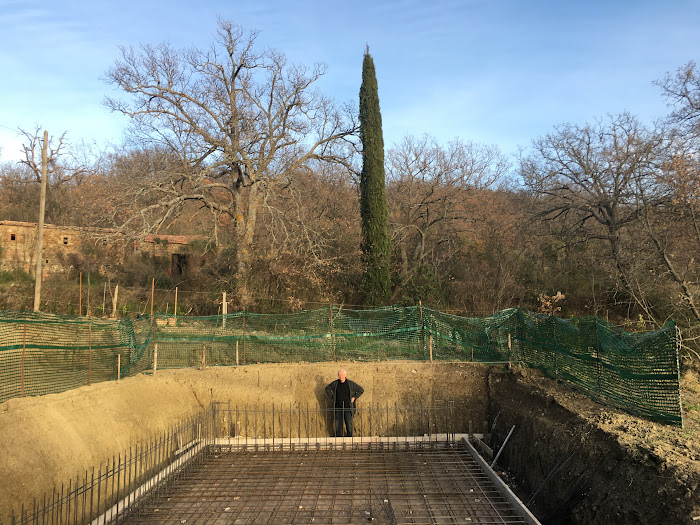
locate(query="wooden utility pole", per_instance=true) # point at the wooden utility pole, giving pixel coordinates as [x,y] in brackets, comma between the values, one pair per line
[38,256]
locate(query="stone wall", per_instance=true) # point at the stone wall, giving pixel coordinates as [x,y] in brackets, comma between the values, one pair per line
[62,246]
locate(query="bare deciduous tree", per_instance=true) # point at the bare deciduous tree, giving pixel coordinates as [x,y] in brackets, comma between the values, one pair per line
[64,170]
[675,230]
[312,238]
[682,91]
[241,122]
[430,190]
[594,174]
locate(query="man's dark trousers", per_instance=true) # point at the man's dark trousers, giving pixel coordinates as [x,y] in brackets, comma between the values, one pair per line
[343,414]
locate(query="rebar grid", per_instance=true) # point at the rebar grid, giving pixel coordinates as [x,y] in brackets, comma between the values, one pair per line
[434,483]
[286,454]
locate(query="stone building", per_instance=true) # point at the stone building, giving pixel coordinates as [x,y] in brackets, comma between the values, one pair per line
[176,253]
[62,246]
[65,247]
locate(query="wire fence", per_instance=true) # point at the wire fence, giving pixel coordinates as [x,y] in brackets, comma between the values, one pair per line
[44,353]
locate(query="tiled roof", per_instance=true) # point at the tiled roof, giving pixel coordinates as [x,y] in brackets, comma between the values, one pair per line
[174,239]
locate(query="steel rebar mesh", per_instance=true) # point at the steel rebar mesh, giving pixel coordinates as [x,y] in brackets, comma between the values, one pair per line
[433,483]
[281,464]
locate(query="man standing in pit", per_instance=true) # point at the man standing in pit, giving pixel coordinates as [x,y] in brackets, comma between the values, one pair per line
[343,392]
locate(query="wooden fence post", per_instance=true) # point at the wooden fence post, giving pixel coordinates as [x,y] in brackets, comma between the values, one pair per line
[224,311]
[243,336]
[236,353]
[24,348]
[175,311]
[119,367]
[509,351]
[430,345]
[155,358]
[421,343]
[330,311]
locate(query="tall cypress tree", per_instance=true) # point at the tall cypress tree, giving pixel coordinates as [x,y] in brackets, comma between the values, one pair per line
[376,245]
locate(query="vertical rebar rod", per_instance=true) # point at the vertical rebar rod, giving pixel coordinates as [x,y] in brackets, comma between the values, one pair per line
[109,503]
[99,488]
[59,509]
[387,431]
[370,419]
[92,491]
[396,420]
[130,486]
[84,497]
[119,472]
[90,353]
[75,505]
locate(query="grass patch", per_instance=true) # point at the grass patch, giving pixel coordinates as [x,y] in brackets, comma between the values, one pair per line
[15,276]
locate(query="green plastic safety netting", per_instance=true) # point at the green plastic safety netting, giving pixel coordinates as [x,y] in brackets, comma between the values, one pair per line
[43,353]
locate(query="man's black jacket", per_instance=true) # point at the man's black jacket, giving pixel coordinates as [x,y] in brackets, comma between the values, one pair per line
[355,391]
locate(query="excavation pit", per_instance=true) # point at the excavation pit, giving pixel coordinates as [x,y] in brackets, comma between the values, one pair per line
[615,474]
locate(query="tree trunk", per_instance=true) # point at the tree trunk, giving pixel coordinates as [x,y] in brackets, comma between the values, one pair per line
[245,230]
[623,273]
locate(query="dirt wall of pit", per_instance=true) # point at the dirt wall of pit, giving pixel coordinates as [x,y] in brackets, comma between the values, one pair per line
[577,472]
[45,441]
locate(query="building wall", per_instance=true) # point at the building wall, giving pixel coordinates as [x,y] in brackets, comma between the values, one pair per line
[174,252]
[62,246]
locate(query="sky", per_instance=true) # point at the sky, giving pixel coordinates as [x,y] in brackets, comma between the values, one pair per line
[494,72]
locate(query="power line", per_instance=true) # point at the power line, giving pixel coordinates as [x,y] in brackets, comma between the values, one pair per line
[11,129]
